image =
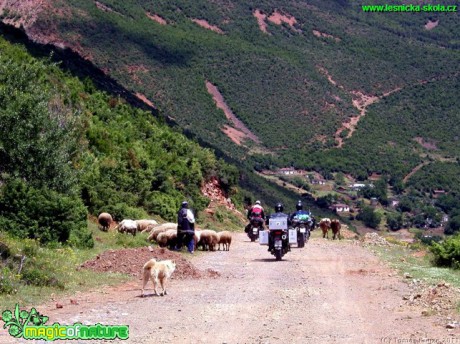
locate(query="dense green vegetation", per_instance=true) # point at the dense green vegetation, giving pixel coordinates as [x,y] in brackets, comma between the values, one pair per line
[447,253]
[68,150]
[292,86]
[276,83]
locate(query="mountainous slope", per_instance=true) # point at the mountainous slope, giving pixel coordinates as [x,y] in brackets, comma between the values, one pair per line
[68,149]
[321,85]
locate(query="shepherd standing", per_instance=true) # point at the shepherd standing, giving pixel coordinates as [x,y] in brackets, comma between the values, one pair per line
[185,227]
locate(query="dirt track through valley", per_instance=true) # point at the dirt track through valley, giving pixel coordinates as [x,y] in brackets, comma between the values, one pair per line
[328,292]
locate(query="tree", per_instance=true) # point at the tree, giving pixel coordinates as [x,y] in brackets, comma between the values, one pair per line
[369,217]
[325,201]
[394,221]
[453,225]
[38,136]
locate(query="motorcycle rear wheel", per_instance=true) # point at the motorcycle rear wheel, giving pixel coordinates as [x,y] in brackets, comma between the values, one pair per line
[278,254]
[300,241]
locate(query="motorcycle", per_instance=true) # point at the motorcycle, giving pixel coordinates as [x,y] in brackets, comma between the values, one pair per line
[254,229]
[278,241]
[303,229]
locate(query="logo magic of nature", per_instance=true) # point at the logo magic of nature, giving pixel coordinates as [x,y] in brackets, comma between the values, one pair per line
[31,325]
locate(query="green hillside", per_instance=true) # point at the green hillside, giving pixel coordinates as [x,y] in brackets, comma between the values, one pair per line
[293,86]
[68,149]
[321,86]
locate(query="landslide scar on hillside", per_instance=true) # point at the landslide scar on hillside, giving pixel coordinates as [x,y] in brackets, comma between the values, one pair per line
[276,18]
[156,18]
[239,132]
[360,101]
[203,23]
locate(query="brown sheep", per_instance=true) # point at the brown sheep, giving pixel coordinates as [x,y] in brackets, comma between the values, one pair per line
[149,229]
[225,238]
[335,226]
[209,239]
[167,238]
[104,220]
[154,234]
[142,225]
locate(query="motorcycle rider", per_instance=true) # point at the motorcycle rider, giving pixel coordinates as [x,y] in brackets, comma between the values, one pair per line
[301,214]
[255,214]
[279,208]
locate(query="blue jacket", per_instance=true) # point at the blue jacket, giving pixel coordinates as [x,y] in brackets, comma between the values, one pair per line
[186,221]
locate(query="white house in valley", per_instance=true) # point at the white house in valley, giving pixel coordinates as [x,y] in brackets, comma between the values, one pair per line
[341,208]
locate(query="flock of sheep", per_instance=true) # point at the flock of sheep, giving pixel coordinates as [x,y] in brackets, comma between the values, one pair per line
[165,235]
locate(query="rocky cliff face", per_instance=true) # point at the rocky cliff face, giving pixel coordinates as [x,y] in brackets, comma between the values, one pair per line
[214,192]
[21,12]
[35,18]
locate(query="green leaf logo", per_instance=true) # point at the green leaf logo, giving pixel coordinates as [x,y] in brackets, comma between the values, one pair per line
[15,321]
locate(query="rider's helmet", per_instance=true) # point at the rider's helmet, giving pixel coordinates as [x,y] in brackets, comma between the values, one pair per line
[299,205]
[279,208]
[184,204]
[258,202]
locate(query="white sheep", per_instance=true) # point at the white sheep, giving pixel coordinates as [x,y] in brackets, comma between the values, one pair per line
[127,226]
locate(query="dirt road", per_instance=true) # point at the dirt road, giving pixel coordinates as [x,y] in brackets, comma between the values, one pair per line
[328,292]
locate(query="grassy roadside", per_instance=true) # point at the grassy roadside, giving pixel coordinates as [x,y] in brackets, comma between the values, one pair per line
[49,272]
[415,261]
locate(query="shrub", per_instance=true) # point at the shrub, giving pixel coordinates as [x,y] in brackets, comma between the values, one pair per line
[43,214]
[8,281]
[447,252]
[429,240]
[121,211]
[453,225]
[369,217]
[394,221]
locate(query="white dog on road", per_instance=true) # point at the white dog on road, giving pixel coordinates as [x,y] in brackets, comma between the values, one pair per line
[159,272]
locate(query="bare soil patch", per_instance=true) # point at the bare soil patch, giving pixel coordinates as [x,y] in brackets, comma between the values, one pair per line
[204,23]
[106,8]
[235,135]
[326,35]
[261,20]
[428,144]
[430,25]
[280,18]
[157,18]
[28,10]
[130,261]
[276,17]
[145,100]
[240,131]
